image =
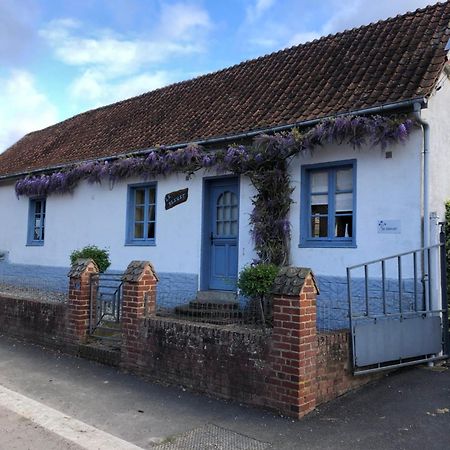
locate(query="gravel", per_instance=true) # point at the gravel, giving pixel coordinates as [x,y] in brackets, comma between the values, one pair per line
[30,293]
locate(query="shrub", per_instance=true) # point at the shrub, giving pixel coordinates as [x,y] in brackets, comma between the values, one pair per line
[256,281]
[99,255]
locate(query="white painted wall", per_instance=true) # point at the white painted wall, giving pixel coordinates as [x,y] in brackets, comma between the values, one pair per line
[93,214]
[387,189]
[438,116]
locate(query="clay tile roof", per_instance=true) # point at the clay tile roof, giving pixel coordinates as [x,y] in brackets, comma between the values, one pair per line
[385,62]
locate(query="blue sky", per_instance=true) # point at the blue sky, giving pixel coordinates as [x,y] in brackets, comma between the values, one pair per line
[59,58]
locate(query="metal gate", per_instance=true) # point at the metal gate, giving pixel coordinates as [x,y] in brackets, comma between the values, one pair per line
[398,310]
[105,301]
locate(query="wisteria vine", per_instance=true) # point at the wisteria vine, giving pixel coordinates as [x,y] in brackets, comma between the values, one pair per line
[264,161]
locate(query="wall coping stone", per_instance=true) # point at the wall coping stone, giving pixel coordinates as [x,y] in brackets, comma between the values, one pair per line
[80,266]
[290,281]
[135,270]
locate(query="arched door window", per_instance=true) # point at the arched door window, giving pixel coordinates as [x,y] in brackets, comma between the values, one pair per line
[227,214]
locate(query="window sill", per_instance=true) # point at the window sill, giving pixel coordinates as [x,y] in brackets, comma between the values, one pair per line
[35,244]
[140,244]
[327,244]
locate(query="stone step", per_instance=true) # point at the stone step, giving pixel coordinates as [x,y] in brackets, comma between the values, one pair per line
[216,306]
[211,312]
[216,296]
[101,351]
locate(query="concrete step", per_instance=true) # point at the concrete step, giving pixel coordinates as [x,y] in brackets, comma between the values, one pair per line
[213,311]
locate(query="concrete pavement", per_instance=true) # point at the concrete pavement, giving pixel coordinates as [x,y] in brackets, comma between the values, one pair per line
[407,410]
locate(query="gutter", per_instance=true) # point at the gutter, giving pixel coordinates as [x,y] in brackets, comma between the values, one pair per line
[421,101]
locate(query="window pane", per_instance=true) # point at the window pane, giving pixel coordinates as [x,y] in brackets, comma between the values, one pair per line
[36,236]
[139,213]
[37,206]
[138,230]
[234,228]
[343,226]
[319,181]
[219,229]
[319,204]
[220,213]
[226,228]
[344,202]
[151,230]
[37,221]
[139,196]
[151,195]
[234,213]
[151,213]
[319,226]
[344,179]
[227,213]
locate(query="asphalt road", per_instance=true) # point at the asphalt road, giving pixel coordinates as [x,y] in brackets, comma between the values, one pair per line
[68,402]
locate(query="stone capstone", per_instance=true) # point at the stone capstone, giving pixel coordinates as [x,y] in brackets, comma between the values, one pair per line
[135,270]
[290,281]
[80,266]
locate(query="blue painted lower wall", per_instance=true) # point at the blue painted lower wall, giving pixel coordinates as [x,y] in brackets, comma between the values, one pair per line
[39,277]
[173,288]
[332,303]
[178,288]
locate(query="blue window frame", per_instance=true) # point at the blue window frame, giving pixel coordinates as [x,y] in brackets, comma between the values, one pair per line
[36,221]
[328,205]
[141,214]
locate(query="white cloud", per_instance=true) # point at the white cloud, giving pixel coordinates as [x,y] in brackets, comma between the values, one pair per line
[95,89]
[114,66]
[258,9]
[180,31]
[22,108]
[17,34]
[301,38]
[271,25]
[355,13]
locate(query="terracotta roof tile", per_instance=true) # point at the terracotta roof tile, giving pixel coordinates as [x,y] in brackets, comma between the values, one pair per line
[389,61]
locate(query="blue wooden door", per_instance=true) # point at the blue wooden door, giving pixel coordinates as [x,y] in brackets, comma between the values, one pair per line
[223,234]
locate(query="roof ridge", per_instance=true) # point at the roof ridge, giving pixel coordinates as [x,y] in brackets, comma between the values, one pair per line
[242,63]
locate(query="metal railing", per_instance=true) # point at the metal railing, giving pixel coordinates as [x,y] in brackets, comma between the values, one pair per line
[105,299]
[414,286]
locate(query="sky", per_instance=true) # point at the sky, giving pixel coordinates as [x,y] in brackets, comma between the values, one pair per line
[62,57]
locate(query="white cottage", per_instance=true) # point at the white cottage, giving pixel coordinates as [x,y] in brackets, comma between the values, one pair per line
[349,203]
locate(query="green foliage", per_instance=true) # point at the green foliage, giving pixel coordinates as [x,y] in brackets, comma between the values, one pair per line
[99,255]
[256,281]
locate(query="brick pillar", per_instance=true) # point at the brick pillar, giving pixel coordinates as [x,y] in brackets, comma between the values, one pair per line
[79,298]
[139,299]
[291,384]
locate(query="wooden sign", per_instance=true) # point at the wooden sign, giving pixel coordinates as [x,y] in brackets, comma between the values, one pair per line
[175,198]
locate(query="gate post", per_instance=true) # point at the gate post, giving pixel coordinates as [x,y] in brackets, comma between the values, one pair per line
[292,385]
[139,299]
[79,300]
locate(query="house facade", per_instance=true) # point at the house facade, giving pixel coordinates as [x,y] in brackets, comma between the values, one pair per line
[350,203]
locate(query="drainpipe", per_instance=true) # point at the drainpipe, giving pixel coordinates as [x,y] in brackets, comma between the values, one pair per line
[426,174]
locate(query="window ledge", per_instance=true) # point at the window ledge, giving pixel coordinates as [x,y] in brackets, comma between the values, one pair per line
[327,244]
[140,244]
[34,244]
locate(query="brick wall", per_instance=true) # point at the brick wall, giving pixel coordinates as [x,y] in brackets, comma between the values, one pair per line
[209,358]
[290,368]
[40,322]
[334,376]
